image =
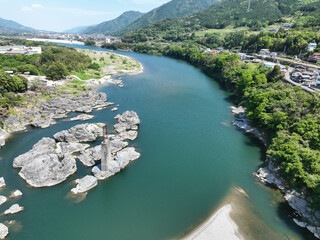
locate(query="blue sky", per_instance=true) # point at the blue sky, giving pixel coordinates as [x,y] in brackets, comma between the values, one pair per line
[59,15]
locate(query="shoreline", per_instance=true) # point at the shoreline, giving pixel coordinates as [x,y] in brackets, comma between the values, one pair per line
[306,217]
[218,225]
[234,222]
[6,133]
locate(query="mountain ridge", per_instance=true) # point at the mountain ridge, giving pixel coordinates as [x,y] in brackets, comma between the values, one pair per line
[172,9]
[10,26]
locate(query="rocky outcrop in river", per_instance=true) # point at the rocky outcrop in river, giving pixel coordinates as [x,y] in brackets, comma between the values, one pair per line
[44,113]
[4,231]
[51,160]
[305,216]
[243,123]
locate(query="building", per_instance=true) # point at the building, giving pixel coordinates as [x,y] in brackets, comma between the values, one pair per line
[264,52]
[108,40]
[318,79]
[315,58]
[274,54]
[15,50]
[312,46]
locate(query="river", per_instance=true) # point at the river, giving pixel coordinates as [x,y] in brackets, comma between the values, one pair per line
[191,157]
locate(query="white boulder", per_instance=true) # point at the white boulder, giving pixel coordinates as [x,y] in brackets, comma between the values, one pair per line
[2,182]
[3,199]
[85,184]
[14,209]
[4,231]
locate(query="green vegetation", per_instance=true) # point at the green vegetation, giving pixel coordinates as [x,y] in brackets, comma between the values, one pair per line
[172,9]
[228,23]
[116,24]
[8,87]
[55,62]
[288,115]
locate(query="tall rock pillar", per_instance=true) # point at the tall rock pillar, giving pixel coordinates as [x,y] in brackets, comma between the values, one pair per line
[105,151]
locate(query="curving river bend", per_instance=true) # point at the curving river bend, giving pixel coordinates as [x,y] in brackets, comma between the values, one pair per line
[191,157]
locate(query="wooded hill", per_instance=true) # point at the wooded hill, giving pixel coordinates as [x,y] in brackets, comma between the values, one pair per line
[113,25]
[172,9]
[233,14]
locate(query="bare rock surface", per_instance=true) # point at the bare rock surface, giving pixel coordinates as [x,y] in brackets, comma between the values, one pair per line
[16,193]
[243,123]
[85,184]
[49,162]
[48,170]
[4,231]
[80,133]
[16,208]
[129,120]
[89,156]
[82,117]
[120,161]
[3,199]
[44,147]
[2,182]
[44,113]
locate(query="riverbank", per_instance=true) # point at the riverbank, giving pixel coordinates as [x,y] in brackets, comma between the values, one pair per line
[287,114]
[51,100]
[235,219]
[305,217]
[219,226]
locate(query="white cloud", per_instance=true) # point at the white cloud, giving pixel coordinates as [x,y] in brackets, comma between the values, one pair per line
[36,6]
[26,9]
[31,8]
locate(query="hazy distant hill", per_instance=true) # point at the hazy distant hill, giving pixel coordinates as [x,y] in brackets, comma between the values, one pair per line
[8,26]
[77,29]
[108,26]
[172,9]
[113,25]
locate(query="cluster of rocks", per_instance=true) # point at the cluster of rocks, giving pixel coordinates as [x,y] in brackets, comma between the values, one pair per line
[52,160]
[44,113]
[270,175]
[308,218]
[243,123]
[122,155]
[15,208]
[82,117]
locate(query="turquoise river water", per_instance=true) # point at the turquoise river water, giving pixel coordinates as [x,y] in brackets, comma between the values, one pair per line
[191,157]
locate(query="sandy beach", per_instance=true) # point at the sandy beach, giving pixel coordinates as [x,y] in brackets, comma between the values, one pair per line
[218,227]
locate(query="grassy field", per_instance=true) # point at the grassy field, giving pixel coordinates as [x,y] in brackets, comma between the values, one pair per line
[223,31]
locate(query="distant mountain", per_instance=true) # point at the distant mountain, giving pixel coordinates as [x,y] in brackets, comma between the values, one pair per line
[77,29]
[113,25]
[8,26]
[172,9]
